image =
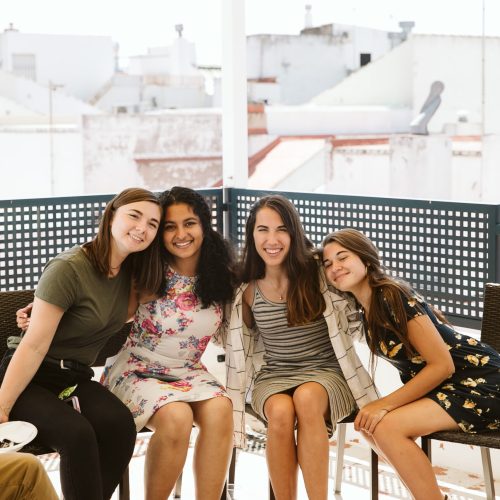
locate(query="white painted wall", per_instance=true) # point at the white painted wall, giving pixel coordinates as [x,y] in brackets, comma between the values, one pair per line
[435,173]
[81,64]
[403,78]
[305,65]
[348,120]
[25,162]
[39,102]
[456,61]
[386,82]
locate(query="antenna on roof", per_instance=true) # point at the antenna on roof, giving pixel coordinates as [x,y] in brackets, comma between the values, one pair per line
[308,20]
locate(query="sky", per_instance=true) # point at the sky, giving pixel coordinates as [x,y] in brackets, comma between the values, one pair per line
[136,25]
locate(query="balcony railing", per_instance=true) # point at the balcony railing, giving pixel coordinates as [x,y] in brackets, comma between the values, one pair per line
[446,250]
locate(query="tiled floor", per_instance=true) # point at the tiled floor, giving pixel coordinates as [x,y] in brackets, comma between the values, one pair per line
[252,480]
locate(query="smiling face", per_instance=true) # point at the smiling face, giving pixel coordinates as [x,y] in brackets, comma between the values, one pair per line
[183,236]
[272,239]
[344,269]
[134,227]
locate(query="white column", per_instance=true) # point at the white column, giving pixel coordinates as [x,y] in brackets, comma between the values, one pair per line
[421,167]
[491,170]
[234,95]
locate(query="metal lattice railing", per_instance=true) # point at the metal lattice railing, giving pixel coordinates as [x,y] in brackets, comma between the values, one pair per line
[32,231]
[446,250]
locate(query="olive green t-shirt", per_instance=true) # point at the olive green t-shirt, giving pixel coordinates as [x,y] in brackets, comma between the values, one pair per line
[95,306]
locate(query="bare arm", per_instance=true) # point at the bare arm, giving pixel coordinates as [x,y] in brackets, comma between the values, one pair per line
[426,340]
[29,355]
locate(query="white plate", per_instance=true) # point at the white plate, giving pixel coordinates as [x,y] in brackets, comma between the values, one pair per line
[19,432]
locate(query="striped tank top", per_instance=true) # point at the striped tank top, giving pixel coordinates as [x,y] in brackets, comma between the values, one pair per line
[305,348]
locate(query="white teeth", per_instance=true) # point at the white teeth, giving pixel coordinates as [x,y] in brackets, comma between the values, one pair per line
[273,251]
[136,238]
[182,245]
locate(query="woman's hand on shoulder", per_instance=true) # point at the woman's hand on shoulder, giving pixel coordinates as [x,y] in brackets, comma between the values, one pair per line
[23,316]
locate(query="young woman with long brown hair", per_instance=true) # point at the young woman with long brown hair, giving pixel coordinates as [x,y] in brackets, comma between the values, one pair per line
[297,325]
[451,381]
[81,299]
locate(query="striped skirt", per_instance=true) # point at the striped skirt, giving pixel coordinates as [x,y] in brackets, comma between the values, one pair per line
[340,397]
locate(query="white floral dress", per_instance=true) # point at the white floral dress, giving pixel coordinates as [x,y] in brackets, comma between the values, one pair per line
[168,336]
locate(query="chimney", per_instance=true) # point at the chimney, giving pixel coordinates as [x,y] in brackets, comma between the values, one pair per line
[308,21]
[406,27]
[179,28]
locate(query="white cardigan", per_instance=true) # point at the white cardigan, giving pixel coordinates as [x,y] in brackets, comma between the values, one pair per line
[245,350]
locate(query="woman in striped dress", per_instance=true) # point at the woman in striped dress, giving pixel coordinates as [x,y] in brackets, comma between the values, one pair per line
[300,384]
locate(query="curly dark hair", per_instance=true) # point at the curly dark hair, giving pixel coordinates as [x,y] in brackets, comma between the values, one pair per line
[215,272]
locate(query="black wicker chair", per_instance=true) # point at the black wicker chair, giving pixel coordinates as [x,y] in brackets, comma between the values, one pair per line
[10,302]
[490,334]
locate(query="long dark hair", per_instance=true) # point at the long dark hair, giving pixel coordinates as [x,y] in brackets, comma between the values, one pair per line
[387,311]
[146,266]
[215,272]
[304,299]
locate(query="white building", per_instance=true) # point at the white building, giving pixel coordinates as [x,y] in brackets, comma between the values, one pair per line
[402,79]
[164,78]
[292,69]
[80,65]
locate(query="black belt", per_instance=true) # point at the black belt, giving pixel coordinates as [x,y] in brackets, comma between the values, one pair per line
[69,364]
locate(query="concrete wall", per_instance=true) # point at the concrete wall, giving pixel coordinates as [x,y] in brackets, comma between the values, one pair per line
[154,151]
[326,120]
[26,159]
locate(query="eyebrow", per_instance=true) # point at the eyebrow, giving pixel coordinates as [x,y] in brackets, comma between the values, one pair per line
[140,213]
[189,219]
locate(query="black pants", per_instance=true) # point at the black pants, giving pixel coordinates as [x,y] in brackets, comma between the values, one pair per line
[95,446]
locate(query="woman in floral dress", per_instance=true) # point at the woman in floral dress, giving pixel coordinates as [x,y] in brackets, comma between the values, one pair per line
[158,373]
[451,381]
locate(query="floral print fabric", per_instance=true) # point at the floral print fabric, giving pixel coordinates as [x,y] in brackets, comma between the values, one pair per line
[168,337]
[472,394]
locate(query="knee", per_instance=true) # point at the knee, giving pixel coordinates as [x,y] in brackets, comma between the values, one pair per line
[217,417]
[387,431]
[172,423]
[280,417]
[310,402]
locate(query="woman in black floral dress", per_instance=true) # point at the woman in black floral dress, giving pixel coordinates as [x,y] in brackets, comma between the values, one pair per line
[451,381]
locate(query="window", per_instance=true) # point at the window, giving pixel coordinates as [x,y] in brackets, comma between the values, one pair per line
[24,65]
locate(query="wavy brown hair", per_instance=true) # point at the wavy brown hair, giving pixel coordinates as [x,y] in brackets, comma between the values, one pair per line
[386,306]
[304,299]
[145,266]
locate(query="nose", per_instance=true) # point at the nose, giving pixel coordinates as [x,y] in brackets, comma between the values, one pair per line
[180,232]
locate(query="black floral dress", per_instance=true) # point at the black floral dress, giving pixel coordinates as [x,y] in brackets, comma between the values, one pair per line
[472,394]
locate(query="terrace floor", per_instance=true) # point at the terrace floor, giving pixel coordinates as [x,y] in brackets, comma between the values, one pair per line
[251,477]
[458,469]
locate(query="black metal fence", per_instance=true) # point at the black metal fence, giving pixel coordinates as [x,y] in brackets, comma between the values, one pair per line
[447,250]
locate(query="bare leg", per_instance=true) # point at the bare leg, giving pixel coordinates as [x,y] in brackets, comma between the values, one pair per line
[214,445]
[311,406]
[395,435]
[167,449]
[281,451]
